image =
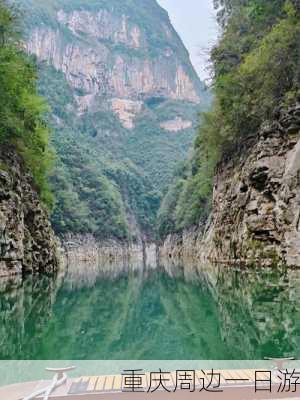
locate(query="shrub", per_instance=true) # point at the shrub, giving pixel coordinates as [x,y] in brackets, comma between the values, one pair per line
[256,68]
[22,110]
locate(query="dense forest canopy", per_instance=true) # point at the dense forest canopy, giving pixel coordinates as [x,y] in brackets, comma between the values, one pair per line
[21,108]
[256,68]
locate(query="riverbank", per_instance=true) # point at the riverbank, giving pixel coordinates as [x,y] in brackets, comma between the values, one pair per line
[196,246]
[27,241]
[255,214]
[87,249]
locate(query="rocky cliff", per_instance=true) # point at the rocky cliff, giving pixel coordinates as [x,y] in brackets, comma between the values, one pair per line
[256,201]
[109,56]
[27,242]
[125,101]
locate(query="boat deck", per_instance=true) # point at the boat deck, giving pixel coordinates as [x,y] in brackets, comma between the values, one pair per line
[235,384]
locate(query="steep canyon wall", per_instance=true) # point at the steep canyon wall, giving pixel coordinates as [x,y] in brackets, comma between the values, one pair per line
[256,201]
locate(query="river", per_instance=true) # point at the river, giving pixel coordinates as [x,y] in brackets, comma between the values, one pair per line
[151,312]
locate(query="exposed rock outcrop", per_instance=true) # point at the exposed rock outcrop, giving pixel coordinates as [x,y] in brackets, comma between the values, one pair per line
[256,201]
[106,55]
[175,125]
[80,248]
[27,242]
[126,110]
[118,79]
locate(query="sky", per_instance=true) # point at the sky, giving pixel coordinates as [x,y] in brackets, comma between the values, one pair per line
[195,22]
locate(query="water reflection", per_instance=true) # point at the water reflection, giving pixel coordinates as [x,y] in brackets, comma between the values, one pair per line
[123,311]
[260,311]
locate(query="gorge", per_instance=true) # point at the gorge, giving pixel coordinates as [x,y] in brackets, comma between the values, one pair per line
[255,211]
[237,202]
[125,101]
[175,208]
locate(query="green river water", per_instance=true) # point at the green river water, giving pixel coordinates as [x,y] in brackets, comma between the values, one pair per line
[175,312]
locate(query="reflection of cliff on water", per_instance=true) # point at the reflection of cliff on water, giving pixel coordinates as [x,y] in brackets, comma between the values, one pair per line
[134,311]
[139,314]
[25,308]
[260,312]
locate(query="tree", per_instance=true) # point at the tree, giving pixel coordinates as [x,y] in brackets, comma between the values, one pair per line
[256,69]
[22,110]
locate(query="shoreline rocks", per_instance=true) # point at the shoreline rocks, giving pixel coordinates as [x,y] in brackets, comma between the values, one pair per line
[27,241]
[86,248]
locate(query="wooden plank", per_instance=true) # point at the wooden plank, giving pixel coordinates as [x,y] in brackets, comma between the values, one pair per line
[100,384]
[82,385]
[168,383]
[229,375]
[146,381]
[92,383]
[202,375]
[240,374]
[172,382]
[222,379]
[118,382]
[215,377]
[249,373]
[210,378]
[143,386]
[276,378]
[170,378]
[75,386]
[109,382]
[114,383]
[176,377]
[262,374]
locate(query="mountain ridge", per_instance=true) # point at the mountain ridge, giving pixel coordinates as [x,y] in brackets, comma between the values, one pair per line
[123,90]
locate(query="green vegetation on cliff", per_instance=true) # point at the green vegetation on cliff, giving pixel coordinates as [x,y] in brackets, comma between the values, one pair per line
[102,63]
[99,179]
[256,68]
[21,108]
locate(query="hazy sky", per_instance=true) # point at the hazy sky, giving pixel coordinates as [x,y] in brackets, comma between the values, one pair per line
[195,22]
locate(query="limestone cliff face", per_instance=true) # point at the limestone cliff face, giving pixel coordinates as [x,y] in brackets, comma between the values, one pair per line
[27,242]
[107,54]
[257,196]
[256,202]
[125,101]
